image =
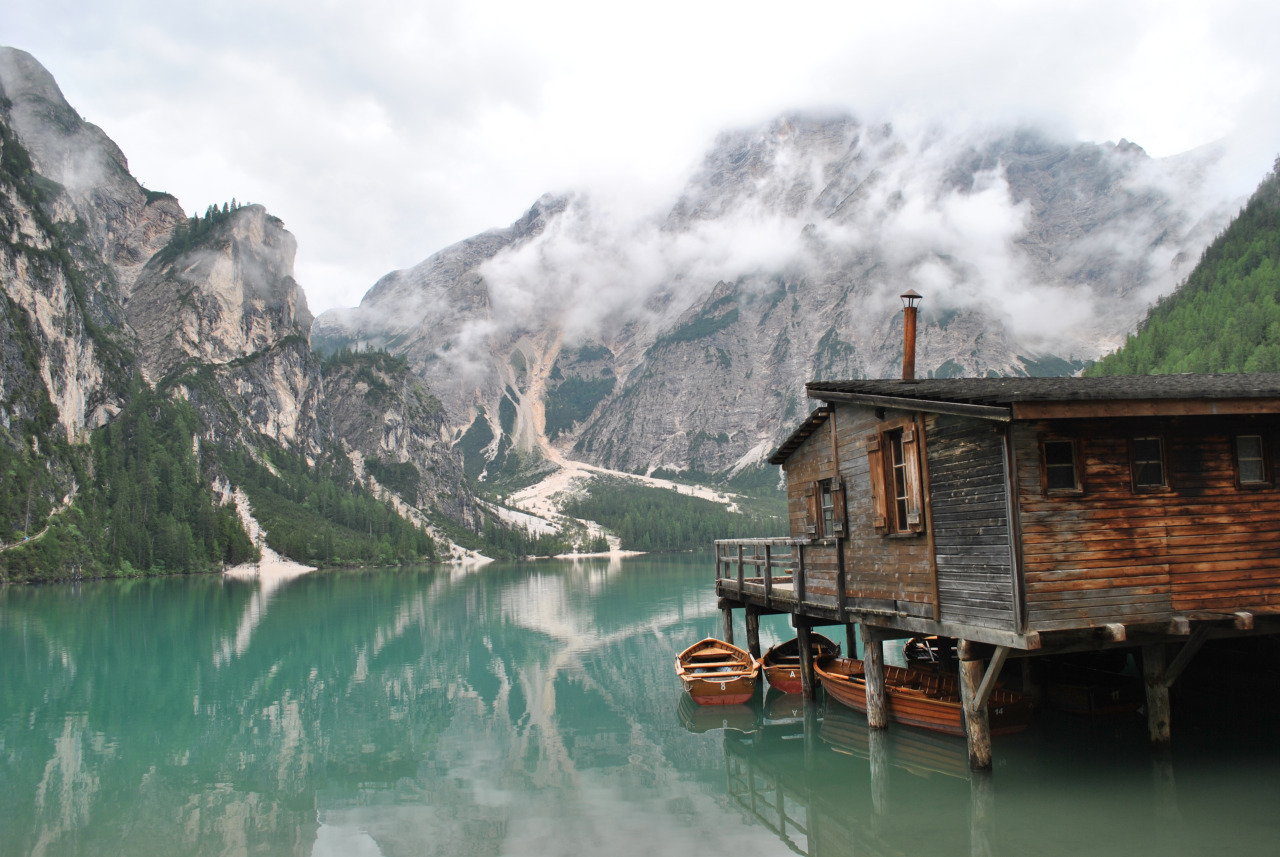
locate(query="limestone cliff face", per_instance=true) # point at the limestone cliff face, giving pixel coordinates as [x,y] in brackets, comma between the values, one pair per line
[103,206]
[103,281]
[383,414]
[230,296]
[779,263]
[424,312]
[78,227]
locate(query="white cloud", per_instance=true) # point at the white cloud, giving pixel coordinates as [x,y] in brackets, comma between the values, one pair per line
[382,131]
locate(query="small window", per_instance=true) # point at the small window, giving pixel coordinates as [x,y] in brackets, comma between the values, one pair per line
[897,495]
[1251,463]
[900,496]
[827,508]
[1148,463]
[1060,472]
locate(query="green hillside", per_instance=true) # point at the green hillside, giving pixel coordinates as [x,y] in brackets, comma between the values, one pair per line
[1226,316]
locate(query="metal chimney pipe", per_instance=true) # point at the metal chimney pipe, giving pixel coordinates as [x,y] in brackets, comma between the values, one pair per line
[910,301]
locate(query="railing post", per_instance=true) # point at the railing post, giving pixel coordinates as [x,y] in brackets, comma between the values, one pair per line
[740,568]
[799,574]
[768,571]
[842,596]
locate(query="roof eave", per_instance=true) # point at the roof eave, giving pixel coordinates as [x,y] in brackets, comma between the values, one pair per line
[963,409]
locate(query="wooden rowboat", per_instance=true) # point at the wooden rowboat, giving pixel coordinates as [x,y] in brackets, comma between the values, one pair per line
[717,673]
[919,698]
[781,664]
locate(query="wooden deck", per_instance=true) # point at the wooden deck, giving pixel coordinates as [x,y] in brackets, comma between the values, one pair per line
[806,578]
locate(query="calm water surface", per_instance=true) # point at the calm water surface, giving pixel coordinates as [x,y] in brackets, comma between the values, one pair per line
[533,709]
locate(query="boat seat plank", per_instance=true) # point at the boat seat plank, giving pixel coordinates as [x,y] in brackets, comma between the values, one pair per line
[713,677]
[701,665]
[715,652]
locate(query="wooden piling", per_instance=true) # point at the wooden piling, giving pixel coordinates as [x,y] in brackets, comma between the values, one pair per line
[878,752]
[807,678]
[982,799]
[873,670]
[753,633]
[977,726]
[727,614]
[1154,663]
[851,640]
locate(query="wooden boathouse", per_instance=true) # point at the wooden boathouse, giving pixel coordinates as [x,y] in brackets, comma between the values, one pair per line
[1024,517]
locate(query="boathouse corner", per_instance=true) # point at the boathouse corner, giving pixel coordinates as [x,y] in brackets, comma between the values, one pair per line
[1024,517]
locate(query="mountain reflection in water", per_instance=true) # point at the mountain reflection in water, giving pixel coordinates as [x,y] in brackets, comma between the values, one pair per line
[529,709]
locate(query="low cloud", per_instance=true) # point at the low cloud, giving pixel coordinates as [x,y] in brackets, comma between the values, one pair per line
[1072,272]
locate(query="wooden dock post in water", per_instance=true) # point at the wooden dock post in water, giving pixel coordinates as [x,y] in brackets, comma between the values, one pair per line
[851,640]
[806,660]
[982,798]
[753,633]
[1154,661]
[727,613]
[977,727]
[873,671]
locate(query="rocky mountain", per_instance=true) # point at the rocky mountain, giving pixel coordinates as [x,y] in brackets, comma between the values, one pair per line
[682,340]
[118,307]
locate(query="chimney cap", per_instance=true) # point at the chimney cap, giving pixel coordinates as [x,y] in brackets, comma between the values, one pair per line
[911,298]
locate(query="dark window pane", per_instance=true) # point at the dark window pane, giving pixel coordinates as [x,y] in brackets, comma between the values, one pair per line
[1059,452]
[1249,458]
[1148,463]
[1060,465]
[827,501]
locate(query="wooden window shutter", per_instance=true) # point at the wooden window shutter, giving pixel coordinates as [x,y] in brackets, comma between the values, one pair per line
[837,498]
[915,496]
[875,462]
[811,509]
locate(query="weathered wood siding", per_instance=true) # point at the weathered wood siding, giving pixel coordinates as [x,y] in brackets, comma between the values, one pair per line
[881,572]
[969,502]
[813,460]
[1111,554]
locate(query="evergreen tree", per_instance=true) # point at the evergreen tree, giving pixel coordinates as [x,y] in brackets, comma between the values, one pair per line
[1226,316]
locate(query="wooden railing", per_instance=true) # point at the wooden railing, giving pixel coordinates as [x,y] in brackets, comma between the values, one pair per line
[773,561]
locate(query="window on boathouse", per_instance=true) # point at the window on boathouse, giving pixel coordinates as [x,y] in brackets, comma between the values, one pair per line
[897,495]
[826,513]
[1061,470]
[1251,462]
[1147,457]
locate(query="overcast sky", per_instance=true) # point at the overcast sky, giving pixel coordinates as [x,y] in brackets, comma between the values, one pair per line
[382,131]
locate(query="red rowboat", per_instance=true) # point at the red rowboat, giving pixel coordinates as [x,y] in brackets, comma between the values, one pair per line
[920,698]
[781,664]
[717,673]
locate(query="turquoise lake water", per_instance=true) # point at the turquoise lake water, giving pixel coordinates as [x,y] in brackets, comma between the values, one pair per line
[533,709]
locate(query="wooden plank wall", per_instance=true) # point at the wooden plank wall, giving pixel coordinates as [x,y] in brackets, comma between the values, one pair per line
[1113,555]
[881,572]
[812,460]
[970,522]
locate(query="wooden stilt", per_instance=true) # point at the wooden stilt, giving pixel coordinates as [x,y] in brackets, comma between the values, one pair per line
[1163,787]
[807,677]
[982,799]
[1154,661]
[878,747]
[873,669]
[753,633]
[727,613]
[851,640]
[812,743]
[976,725]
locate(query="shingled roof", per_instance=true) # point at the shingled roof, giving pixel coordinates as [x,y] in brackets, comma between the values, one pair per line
[1004,391]
[1000,398]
